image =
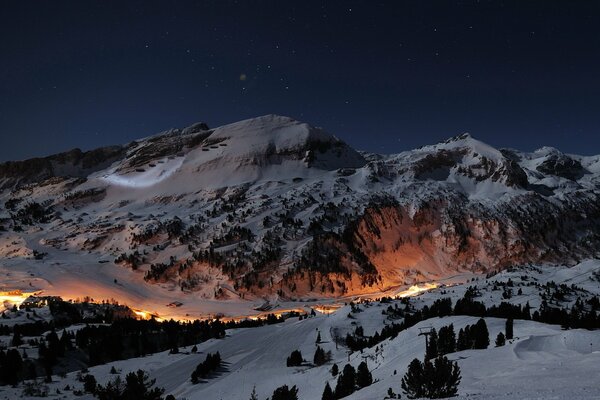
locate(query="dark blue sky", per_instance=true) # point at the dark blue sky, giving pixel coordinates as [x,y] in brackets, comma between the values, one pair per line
[383,76]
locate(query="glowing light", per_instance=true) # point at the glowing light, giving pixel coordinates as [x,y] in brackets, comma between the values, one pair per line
[327,309]
[416,289]
[142,314]
[13,298]
[148,178]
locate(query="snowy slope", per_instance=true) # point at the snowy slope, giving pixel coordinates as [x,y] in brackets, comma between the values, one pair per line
[273,208]
[541,362]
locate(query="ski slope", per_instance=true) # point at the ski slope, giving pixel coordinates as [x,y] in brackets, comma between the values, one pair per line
[541,362]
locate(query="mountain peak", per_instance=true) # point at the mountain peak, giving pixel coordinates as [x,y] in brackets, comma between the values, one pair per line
[462,136]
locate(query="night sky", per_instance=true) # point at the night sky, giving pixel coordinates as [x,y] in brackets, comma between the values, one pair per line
[383,76]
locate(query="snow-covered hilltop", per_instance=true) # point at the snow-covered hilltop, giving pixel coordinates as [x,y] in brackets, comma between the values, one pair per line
[274,208]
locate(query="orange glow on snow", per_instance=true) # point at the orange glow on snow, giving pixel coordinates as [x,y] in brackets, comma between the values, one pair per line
[146,315]
[327,309]
[416,289]
[13,298]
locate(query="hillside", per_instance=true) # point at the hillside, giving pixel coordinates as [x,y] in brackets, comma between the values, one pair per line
[542,361]
[274,209]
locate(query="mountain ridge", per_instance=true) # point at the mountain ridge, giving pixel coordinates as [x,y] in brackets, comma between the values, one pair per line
[271,207]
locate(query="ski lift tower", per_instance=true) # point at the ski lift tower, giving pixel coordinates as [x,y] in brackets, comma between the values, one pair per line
[426,331]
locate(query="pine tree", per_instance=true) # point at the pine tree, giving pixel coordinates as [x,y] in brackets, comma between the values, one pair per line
[500,340]
[327,393]
[65,340]
[481,335]
[318,337]
[509,328]
[334,370]
[253,395]
[285,393]
[413,382]
[446,378]
[462,343]
[446,340]
[431,350]
[12,368]
[295,359]
[319,357]
[346,383]
[363,375]
[434,380]
[16,340]
[90,384]
[139,386]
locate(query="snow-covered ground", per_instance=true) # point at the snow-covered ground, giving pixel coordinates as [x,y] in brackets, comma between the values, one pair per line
[541,362]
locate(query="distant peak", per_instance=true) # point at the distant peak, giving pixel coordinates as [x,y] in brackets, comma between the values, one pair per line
[462,136]
[546,150]
[272,118]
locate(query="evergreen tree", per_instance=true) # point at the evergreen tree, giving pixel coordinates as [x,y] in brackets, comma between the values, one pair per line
[139,386]
[12,367]
[446,340]
[500,340]
[346,383]
[319,357]
[210,364]
[327,393]
[295,359]
[363,376]
[89,383]
[16,340]
[253,395]
[509,328]
[334,370]
[481,335]
[434,380]
[413,382]
[462,343]
[65,341]
[318,337]
[112,391]
[285,393]
[431,350]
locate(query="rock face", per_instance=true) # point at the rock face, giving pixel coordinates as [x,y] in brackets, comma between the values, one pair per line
[274,206]
[73,163]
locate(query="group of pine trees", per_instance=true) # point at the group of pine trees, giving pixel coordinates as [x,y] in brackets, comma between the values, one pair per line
[281,393]
[206,367]
[321,356]
[295,359]
[98,344]
[137,385]
[470,337]
[435,379]
[349,381]
[502,338]
[11,366]
[474,336]
[468,306]
[16,366]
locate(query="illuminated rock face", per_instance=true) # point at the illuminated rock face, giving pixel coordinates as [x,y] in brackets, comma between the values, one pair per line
[272,206]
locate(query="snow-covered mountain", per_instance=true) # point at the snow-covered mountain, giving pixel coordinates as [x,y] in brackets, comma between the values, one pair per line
[272,207]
